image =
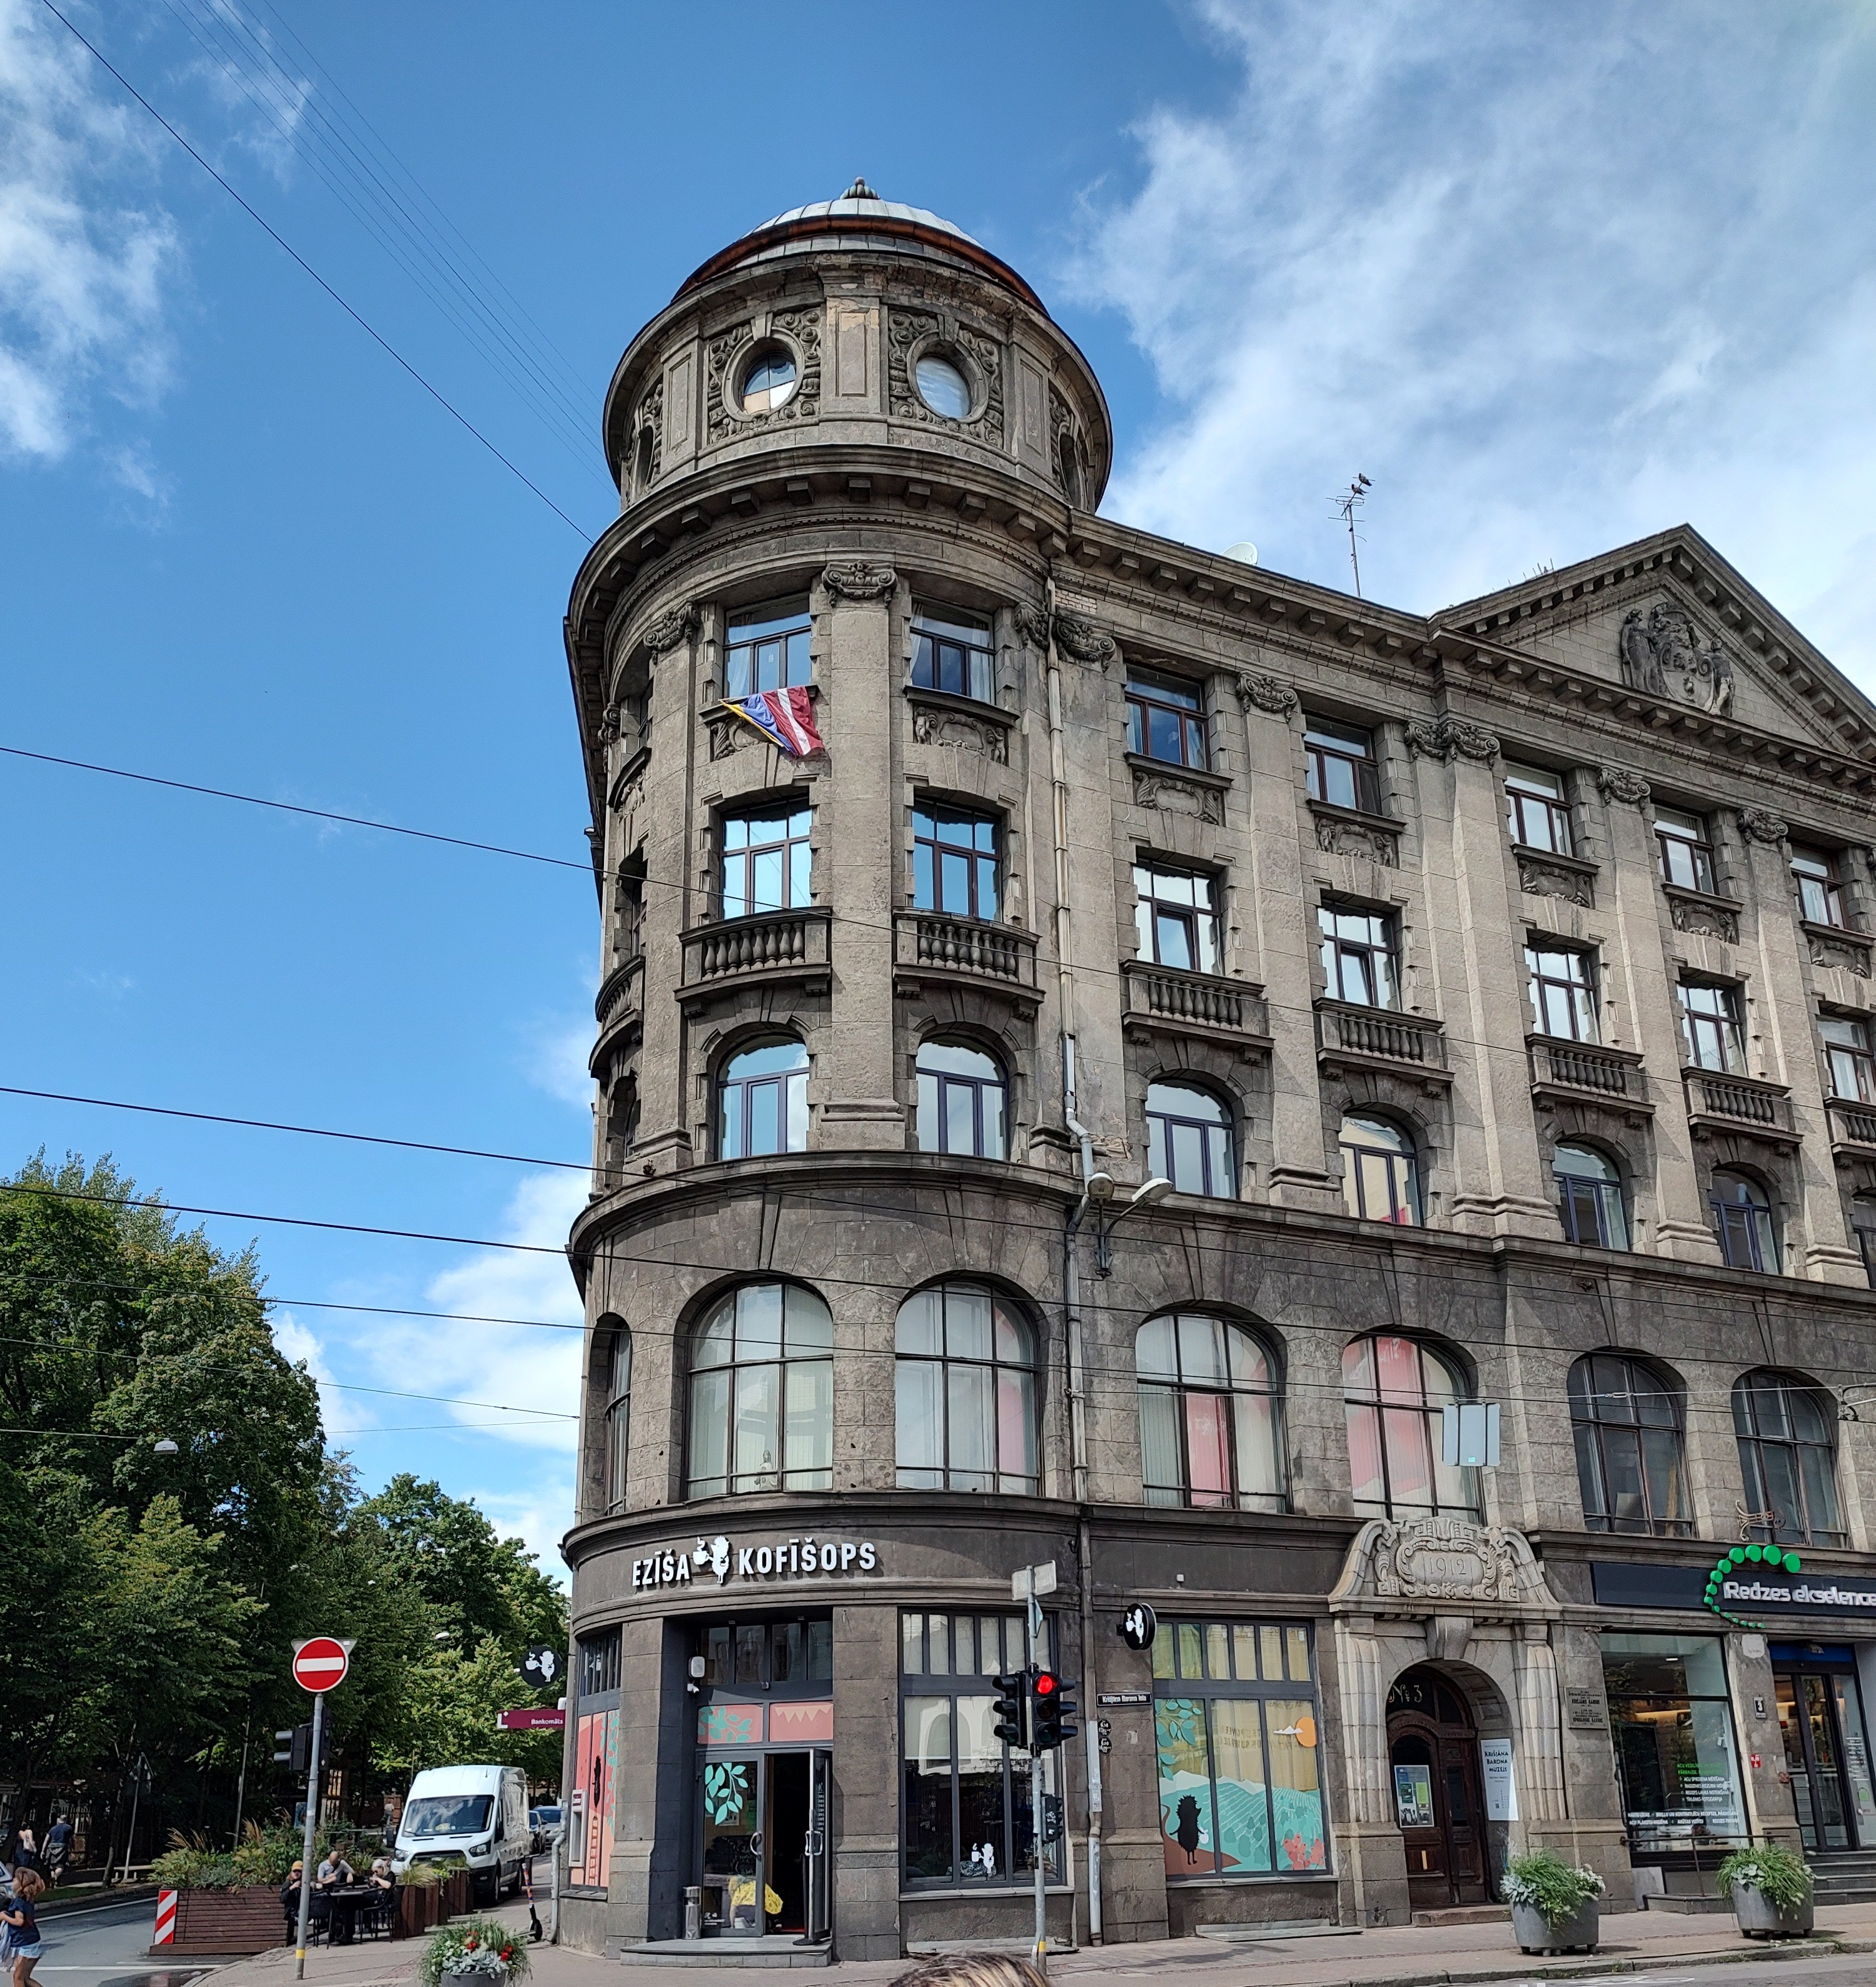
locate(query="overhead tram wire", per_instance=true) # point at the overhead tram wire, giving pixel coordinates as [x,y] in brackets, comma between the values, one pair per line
[227,39]
[273,234]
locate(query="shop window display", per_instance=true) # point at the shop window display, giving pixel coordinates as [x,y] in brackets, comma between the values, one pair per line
[1675,1748]
[1237,1724]
[965,1813]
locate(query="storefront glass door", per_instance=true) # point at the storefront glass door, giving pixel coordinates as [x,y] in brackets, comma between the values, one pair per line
[764,1861]
[1827,1751]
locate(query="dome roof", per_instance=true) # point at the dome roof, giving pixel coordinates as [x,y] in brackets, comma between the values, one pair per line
[859,217]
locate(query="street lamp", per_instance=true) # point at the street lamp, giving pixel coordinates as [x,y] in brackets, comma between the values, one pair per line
[166,1447]
[1143,1195]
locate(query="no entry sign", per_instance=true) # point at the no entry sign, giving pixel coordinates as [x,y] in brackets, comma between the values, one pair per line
[320,1663]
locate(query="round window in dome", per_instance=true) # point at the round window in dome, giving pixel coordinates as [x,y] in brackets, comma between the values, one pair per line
[768,381]
[943,387]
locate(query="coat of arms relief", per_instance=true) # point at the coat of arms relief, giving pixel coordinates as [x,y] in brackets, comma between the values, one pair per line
[1663,655]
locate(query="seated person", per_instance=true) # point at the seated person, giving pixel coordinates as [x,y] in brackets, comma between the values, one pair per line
[382,1878]
[289,1900]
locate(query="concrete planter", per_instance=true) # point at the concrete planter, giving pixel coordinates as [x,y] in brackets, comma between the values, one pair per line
[1578,1933]
[1758,1918]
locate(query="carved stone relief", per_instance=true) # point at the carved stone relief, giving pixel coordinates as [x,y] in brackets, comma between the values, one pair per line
[1354,838]
[1663,655]
[1539,879]
[666,631]
[1615,783]
[1762,825]
[1083,640]
[855,579]
[1842,951]
[730,734]
[933,726]
[802,329]
[649,416]
[1268,694]
[1032,623]
[1173,795]
[1444,737]
[1443,1558]
[1705,920]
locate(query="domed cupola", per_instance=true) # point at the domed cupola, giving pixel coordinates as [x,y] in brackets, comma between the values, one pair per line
[860,324]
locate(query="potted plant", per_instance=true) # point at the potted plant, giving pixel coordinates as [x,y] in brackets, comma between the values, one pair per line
[477,1950]
[1771,1892]
[1554,1904]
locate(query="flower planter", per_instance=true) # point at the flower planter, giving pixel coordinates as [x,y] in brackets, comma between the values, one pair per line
[1578,1933]
[230,1922]
[1759,1918]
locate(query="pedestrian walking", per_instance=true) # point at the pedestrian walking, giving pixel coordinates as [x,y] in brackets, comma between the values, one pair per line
[21,1921]
[57,1849]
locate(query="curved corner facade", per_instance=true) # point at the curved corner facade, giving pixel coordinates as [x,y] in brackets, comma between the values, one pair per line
[1354,1132]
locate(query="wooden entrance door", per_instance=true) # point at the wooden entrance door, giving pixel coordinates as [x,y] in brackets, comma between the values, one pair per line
[1433,1752]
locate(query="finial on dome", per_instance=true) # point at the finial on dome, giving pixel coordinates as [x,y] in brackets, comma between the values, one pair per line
[859,190]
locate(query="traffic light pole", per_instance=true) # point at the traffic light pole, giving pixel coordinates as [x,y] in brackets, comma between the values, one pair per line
[305,1851]
[1033,1621]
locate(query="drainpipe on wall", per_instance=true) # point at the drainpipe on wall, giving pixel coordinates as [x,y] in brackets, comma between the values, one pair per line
[1072,1270]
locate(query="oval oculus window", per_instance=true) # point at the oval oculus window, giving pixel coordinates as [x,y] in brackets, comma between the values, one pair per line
[769,381]
[943,387]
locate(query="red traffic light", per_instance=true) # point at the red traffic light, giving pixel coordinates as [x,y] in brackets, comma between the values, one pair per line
[1046,1683]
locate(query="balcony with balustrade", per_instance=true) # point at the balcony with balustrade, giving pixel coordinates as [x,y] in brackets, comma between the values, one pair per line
[931,949]
[1732,1104]
[1349,1036]
[1562,1071]
[1160,1000]
[770,948]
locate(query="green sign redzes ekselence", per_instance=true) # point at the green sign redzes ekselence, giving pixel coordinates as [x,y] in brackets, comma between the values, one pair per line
[1772,1558]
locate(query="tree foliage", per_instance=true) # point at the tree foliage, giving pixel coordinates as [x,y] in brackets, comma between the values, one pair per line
[153,1599]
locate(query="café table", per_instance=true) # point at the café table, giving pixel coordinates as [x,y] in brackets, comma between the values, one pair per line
[343,1901]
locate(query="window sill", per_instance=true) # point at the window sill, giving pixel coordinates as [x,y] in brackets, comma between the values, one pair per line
[968,707]
[1013,1888]
[1358,816]
[1706,899]
[1576,865]
[1171,769]
[1251,1876]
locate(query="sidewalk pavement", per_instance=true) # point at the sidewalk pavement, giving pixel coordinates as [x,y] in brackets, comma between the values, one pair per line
[1447,1955]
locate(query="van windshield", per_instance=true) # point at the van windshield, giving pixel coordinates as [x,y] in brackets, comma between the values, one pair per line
[447,1814]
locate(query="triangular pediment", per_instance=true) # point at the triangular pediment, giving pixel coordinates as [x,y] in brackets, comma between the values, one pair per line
[1669,619]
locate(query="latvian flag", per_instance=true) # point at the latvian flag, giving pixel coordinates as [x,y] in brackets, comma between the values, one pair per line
[784,718]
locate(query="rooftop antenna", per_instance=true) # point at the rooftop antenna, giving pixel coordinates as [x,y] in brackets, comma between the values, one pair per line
[1346,506]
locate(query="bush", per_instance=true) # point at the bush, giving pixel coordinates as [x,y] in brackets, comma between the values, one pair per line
[1542,1880]
[267,1855]
[1783,1879]
[483,1946]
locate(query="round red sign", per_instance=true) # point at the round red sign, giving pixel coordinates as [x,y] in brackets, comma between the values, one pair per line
[320,1664]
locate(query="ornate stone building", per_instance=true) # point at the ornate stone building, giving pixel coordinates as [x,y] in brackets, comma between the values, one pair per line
[1492,989]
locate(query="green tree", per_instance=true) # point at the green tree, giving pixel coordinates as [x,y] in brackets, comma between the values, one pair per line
[452,1702]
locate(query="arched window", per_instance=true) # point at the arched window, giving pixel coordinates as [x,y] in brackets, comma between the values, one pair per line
[1631,1462]
[762,1393]
[622,1127]
[962,1100]
[1380,1179]
[615,1378]
[1787,1431]
[1743,1220]
[1589,1197]
[1210,1423]
[762,1100]
[1189,1140]
[1393,1389]
[966,1392]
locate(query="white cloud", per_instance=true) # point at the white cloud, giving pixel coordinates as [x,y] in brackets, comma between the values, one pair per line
[1553,278]
[84,274]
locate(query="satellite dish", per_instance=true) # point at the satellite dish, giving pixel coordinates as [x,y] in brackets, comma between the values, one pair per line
[1243,551]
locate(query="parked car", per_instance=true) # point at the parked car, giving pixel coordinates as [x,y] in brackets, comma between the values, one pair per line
[476,1817]
[545,1823]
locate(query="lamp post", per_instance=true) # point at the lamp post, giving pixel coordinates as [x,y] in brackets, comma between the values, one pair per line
[1145,1195]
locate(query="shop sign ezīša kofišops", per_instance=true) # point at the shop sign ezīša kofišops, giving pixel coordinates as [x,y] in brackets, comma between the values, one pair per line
[798,1558]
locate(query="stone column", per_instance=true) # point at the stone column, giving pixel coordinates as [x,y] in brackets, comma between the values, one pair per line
[858,829]
[1538,1758]
[1498,1187]
[1284,920]
[864,1820]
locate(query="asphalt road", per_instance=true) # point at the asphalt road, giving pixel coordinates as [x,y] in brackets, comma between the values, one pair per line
[105,1945]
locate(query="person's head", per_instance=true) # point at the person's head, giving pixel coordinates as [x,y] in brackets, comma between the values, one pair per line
[28,1883]
[972,1969]
[381,1866]
[299,1868]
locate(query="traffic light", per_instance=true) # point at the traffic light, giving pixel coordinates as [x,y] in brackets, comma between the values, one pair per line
[294,1748]
[1049,1705]
[1051,1817]
[1012,1726]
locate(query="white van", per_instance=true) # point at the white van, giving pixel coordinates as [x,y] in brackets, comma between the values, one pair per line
[477,1814]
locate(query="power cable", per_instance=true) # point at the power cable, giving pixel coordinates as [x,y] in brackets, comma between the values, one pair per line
[290,806]
[273,234]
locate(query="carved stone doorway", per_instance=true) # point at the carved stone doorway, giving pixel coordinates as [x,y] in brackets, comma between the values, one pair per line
[1433,1753]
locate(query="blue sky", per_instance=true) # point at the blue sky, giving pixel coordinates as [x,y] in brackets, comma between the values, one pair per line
[1552,277]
